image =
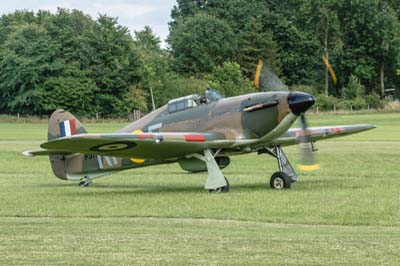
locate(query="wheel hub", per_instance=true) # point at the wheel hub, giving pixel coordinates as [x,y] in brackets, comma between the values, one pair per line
[278,183]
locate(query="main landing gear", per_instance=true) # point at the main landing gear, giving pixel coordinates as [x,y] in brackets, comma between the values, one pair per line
[286,174]
[216,181]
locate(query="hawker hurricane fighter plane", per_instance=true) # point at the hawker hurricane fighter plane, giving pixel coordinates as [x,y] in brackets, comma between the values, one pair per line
[198,132]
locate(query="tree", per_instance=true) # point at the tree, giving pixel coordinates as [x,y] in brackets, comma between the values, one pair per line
[200,43]
[65,60]
[72,90]
[134,99]
[320,18]
[228,80]
[146,39]
[254,43]
[115,64]
[155,68]
[27,58]
[370,37]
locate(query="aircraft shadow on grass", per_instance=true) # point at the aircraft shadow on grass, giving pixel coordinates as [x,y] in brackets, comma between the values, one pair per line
[109,188]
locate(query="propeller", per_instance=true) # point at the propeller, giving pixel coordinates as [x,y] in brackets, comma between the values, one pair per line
[299,103]
[307,160]
[265,78]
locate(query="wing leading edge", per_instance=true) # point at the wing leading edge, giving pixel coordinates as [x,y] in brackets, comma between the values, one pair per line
[142,145]
[320,133]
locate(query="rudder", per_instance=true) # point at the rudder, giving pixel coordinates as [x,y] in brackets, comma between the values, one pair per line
[62,124]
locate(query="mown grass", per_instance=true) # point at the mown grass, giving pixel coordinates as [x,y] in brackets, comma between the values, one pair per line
[346,213]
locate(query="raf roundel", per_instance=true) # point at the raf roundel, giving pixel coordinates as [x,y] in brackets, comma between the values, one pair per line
[114,146]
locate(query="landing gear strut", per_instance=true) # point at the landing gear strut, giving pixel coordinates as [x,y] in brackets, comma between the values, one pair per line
[216,181]
[223,189]
[286,174]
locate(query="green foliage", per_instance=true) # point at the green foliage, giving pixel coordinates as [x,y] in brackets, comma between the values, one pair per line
[27,57]
[354,89]
[155,71]
[134,99]
[362,37]
[329,103]
[146,39]
[71,90]
[65,60]
[176,86]
[254,43]
[115,67]
[373,101]
[354,104]
[200,43]
[325,103]
[370,33]
[91,66]
[314,90]
[228,80]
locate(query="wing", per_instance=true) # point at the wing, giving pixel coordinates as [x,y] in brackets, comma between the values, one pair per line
[319,133]
[143,145]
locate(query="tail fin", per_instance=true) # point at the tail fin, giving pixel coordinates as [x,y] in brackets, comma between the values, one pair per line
[62,124]
[266,80]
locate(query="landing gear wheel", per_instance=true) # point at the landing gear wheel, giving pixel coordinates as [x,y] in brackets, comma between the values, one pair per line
[279,181]
[85,182]
[223,189]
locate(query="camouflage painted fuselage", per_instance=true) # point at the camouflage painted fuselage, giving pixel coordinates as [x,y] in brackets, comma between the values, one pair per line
[226,116]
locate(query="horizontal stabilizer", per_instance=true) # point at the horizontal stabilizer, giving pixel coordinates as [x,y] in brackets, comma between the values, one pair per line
[43,152]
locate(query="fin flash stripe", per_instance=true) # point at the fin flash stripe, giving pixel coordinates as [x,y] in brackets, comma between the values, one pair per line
[67,128]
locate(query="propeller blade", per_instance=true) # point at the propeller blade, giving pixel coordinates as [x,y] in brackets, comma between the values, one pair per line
[307,161]
[265,78]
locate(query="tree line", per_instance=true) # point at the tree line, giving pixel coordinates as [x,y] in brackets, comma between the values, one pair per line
[69,60]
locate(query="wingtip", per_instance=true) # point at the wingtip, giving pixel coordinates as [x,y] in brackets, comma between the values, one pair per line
[368,127]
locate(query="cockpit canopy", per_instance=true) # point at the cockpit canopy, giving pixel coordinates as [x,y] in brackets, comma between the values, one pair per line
[183,103]
[193,100]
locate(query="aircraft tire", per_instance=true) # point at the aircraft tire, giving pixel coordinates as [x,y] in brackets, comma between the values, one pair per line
[279,181]
[85,182]
[223,189]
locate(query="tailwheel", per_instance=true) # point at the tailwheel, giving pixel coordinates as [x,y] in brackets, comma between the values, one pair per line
[280,181]
[85,182]
[223,189]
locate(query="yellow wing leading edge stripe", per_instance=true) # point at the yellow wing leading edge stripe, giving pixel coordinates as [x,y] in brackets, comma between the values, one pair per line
[137,160]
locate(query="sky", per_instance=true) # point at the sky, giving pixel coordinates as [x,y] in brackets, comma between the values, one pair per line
[134,14]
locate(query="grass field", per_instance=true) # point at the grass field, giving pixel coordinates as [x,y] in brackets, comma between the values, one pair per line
[346,213]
